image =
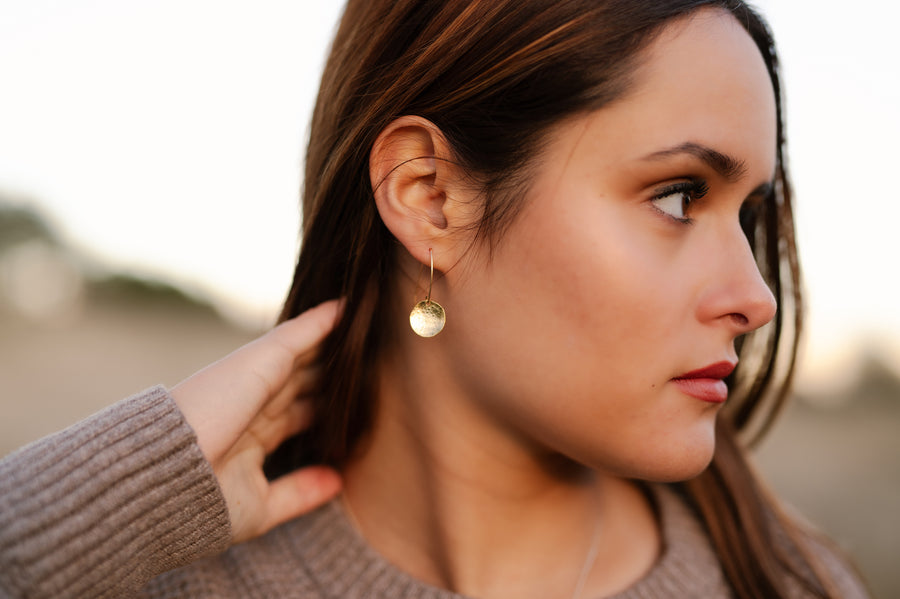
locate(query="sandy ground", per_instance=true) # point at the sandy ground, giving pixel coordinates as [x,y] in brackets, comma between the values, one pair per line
[55,375]
[839,467]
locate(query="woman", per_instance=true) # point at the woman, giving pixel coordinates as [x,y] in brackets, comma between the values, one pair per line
[595,194]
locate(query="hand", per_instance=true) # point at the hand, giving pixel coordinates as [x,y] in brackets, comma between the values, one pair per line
[243,407]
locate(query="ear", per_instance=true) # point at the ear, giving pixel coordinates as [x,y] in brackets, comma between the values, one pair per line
[418,191]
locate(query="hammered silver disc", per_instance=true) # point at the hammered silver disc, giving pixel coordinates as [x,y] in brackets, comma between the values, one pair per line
[427,318]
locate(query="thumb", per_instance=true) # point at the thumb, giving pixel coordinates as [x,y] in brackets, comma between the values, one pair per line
[299,492]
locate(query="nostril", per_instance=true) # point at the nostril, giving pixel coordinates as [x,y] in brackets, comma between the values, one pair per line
[740,319]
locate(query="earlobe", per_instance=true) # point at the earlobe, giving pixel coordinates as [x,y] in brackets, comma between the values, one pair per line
[412,181]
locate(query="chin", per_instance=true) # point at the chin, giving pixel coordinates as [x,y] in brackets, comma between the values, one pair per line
[683,467]
[675,460]
[678,472]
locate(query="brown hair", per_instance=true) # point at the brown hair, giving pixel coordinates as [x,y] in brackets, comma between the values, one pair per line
[494,75]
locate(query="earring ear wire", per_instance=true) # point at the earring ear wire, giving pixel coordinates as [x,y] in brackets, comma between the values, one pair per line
[427,318]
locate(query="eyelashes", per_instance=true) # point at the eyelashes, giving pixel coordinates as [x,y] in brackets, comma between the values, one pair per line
[675,200]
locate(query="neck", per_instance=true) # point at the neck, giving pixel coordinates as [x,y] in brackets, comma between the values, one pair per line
[464,502]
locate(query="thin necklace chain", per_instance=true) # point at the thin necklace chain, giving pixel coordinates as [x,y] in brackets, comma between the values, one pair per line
[589,559]
[346,503]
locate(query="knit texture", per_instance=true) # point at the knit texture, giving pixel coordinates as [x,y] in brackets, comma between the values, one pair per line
[322,555]
[124,505]
[107,504]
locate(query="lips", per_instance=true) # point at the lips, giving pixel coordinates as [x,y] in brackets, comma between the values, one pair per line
[706,383]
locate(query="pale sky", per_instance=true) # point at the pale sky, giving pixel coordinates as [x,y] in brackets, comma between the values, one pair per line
[167,137]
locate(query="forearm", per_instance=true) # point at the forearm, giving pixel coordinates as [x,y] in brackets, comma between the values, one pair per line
[103,506]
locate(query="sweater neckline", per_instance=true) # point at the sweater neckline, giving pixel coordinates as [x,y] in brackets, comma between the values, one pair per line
[343,564]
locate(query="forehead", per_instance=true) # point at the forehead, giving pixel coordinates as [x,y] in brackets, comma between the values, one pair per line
[702,80]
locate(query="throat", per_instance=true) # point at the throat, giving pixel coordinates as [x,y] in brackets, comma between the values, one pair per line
[446,495]
[585,539]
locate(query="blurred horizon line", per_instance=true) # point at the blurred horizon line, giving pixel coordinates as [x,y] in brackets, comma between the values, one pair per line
[44,272]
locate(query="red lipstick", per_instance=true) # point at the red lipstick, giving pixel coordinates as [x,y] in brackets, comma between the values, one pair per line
[706,383]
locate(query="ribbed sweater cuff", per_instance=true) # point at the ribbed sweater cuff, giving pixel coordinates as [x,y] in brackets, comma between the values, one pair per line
[98,509]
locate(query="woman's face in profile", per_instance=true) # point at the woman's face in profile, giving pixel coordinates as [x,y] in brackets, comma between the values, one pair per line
[628,268]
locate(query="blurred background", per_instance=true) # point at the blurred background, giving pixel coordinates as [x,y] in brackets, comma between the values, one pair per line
[150,160]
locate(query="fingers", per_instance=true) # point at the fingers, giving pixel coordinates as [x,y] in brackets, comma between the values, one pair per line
[300,385]
[220,401]
[261,368]
[270,432]
[304,332]
[257,372]
[297,493]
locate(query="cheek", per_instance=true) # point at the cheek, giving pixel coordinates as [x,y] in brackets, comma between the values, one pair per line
[576,297]
[570,332]
[603,278]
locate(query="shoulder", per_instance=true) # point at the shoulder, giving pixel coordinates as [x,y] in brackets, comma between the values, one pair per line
[317,556]
[832,562]
[282,563]
[690,563]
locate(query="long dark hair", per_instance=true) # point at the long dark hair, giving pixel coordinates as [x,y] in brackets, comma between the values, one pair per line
[494,75]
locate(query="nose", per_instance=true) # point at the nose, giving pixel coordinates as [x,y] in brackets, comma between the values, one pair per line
[736,293]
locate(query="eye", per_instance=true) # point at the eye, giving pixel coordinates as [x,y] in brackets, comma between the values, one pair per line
[675,200]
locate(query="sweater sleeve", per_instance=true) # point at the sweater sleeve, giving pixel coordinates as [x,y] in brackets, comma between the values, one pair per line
[99,508]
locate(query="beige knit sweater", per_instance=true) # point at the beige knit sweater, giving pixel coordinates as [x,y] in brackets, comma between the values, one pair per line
[124,505]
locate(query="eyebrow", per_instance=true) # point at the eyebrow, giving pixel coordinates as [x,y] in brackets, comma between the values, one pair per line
[727,166]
